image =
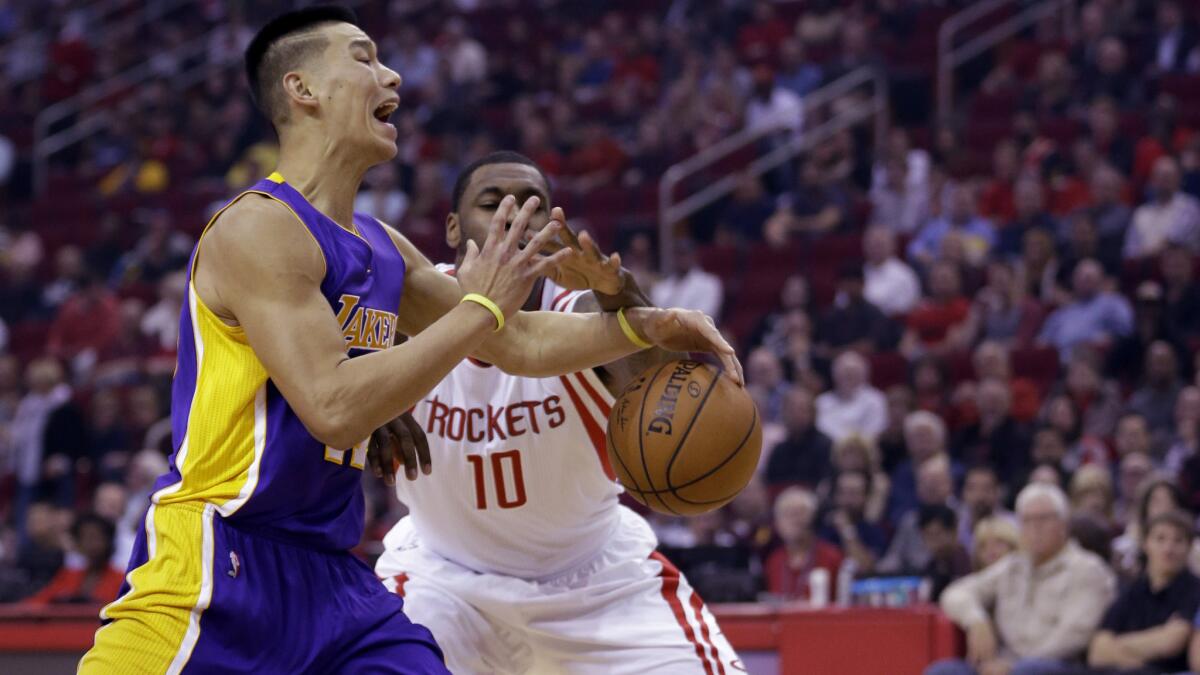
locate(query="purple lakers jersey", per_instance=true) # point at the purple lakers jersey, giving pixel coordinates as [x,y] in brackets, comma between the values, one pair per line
[238,445]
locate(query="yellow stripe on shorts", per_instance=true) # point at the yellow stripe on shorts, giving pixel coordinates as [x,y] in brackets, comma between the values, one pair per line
[156,624]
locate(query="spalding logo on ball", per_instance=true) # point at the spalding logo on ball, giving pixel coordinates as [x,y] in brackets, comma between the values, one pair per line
[684,440]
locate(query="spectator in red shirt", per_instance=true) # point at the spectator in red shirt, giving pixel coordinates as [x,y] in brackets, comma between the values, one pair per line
[88,322]
[1165,137]
[936,324]
[94,579]
[598,159]
[996,199]
[637,63]
[800,551]
[1104,133]
[990,361]
[759,39]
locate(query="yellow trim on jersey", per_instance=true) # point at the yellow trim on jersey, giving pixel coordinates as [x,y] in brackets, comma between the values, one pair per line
[156,625]
[225,436]
[277,177]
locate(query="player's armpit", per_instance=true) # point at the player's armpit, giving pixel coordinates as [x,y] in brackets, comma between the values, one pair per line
[258,267]
[428,293]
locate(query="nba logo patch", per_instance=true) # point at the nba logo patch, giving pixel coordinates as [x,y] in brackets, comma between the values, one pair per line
[235,565]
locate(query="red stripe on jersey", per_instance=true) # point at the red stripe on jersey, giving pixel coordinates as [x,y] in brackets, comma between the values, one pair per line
[605,408]
[593,429]
[560,296]
[698,607]
[670,588]
[401,579]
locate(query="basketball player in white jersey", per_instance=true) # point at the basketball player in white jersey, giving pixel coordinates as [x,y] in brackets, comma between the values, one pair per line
[516,553]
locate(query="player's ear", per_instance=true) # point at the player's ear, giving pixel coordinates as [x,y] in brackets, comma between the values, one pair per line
[453,230]
[297,90]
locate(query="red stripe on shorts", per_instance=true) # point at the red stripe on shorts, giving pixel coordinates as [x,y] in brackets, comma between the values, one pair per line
[698,608]
[670,588]
[593,429]
[401,579]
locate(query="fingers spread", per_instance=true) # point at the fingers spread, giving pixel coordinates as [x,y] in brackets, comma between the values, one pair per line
[499,221]
[568,234]
[544,266]
[588,246]
[516,233]
[541,241]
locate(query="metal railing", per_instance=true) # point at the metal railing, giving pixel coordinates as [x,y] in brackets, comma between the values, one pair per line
[47,145]
[671,212]
[977,16]
[119,30]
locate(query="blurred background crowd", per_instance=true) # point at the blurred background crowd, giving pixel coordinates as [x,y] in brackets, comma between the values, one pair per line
[930,320]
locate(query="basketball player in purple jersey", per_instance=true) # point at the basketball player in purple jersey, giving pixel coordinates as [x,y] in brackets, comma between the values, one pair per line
[286,365]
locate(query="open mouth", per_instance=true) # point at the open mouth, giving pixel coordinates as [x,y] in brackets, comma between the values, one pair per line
[385,110]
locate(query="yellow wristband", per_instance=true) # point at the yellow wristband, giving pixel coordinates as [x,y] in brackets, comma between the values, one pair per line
[488,305]
[629,332]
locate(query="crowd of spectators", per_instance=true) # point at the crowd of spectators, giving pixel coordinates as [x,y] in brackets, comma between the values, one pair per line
[960,312]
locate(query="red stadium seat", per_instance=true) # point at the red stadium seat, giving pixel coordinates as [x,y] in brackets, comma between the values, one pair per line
[1039,364]
[888,369]
[723,261]
[1185,88]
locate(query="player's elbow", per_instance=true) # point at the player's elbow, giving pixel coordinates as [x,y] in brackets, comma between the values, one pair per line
[332,421]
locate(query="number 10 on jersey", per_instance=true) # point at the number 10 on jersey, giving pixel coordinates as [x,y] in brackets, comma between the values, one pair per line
[505,468]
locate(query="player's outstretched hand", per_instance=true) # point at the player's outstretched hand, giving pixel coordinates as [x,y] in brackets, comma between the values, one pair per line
[685,330]
[505,269]
[588,269]
[399,442]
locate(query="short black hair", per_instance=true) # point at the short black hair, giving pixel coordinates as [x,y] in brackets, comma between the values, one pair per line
[1180,520]
[1147,493]
[941,514]
[86,519]
[982,467]
[498,157]
[264,65]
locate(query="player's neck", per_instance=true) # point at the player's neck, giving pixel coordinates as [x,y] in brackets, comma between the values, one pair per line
[327,180]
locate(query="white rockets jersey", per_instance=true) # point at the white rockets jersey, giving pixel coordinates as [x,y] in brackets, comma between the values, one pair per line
[521,482]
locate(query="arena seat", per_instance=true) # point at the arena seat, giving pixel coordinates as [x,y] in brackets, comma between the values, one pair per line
[722,260]
[1039,364]
[888,369]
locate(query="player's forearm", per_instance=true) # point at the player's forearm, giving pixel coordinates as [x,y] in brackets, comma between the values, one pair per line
[622,371]
[631,295]
[364,393]
[545,344]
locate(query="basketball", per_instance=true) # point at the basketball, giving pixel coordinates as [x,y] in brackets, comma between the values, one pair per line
[683,439]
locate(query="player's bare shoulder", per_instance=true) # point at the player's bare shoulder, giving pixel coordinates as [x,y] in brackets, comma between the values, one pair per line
[256,245]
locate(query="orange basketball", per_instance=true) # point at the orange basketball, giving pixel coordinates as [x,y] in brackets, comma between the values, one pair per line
[683,439]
